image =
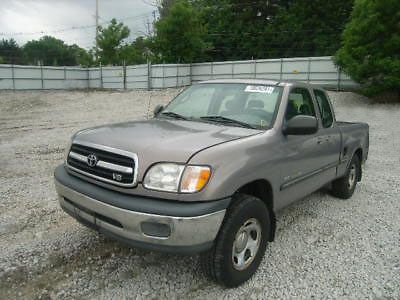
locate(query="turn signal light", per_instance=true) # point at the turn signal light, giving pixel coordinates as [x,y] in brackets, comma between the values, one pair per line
[194,178]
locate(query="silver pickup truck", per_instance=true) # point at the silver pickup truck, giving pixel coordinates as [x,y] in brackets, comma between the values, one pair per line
[208,173]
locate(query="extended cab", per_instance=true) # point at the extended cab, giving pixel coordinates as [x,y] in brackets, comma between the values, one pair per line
[209,171]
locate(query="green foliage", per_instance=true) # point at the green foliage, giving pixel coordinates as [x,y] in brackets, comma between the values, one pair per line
[83,58]
[10,52]
[54,52]
[135,53]
[272,29]
[307,28]
[164,7]
[179,35]
[110,42]
[370,53]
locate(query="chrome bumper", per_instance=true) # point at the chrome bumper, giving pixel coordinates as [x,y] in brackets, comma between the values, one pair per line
[131,226]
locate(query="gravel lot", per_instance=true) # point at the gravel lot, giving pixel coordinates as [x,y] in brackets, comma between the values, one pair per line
[324,248]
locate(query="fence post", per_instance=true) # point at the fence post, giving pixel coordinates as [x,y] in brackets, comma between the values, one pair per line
[233,68]
[124,73]
[41,74]
[281,71]
[163,74]
[13,76]
[212,70]
[308,70]
[101,76]
[177,74]
[149,75]
[338,79]
[190,74]
[88,78]
[255,69]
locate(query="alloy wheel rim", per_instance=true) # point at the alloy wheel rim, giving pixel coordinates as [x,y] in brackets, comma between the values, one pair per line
[246,244]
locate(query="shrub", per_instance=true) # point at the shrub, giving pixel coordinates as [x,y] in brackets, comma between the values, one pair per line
[370,51]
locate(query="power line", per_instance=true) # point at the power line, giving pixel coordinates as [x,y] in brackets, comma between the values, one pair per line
[258,35]
[71,28]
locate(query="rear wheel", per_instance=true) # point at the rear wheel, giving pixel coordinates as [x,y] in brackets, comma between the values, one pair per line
[241,242]
[344,187]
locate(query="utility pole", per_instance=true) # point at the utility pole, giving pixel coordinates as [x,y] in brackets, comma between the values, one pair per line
[148,28]
[97,29]
[154,21]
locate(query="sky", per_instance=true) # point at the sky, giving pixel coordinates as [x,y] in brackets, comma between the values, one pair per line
[25,20]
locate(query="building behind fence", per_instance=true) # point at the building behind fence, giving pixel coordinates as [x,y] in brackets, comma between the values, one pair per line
[318,70]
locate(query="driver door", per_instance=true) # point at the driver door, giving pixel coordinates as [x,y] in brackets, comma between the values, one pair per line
[301,157]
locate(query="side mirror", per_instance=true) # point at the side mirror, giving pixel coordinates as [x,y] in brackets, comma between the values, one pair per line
[158,109]
[301,125]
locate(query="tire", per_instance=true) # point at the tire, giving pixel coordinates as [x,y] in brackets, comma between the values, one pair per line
[224,263]
[344,187]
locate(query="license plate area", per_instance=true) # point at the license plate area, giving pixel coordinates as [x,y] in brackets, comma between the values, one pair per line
[92,216]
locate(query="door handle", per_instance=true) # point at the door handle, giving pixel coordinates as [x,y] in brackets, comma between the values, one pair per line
[328,138]
[322,140]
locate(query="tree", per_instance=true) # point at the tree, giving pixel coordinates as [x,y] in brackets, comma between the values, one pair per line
[245,29]
[235,28]
[110,41]
[305,28]
[179,35]
[54,52]
[164,7]
[10,52]
[370,51]
[82,57]
[136,52]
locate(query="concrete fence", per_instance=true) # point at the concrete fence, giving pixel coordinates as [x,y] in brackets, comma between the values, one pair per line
[318,70]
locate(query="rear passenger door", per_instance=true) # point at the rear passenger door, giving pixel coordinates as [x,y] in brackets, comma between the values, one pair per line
[329,136]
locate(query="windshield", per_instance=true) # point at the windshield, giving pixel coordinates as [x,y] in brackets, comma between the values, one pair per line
[233,104]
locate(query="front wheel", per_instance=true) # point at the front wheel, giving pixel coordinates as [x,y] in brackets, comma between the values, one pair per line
[241,242]
[344,187]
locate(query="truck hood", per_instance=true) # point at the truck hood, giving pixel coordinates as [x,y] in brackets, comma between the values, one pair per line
[162,140]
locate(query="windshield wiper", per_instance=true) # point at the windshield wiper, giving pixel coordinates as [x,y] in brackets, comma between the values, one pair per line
[224,120]
[173,115]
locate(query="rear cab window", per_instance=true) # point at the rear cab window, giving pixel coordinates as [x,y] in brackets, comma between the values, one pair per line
[324,108]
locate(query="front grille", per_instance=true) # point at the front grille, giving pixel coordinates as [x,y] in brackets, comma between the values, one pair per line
[109,165]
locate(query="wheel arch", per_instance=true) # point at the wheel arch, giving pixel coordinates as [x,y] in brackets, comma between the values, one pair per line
[262,189]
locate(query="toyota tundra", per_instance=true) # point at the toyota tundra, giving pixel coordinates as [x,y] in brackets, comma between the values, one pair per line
[209,171]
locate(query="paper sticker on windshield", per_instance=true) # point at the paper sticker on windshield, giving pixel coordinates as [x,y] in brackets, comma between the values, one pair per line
[259,89]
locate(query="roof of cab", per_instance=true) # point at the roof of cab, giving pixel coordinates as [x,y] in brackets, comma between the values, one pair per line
[259,81]
[246,81]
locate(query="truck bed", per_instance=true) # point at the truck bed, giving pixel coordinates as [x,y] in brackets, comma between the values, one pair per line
[354,135]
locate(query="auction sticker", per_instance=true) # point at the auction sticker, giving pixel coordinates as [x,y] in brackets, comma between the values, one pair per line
[259,89]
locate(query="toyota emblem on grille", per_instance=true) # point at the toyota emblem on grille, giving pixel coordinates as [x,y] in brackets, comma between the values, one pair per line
[92,160]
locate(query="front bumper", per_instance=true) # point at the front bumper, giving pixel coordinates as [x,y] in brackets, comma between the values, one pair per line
[153,224]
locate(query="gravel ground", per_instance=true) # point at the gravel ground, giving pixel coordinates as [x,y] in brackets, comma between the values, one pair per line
[324,248]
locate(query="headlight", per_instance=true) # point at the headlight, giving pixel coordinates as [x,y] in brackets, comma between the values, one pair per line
[172,177]
[164,177]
